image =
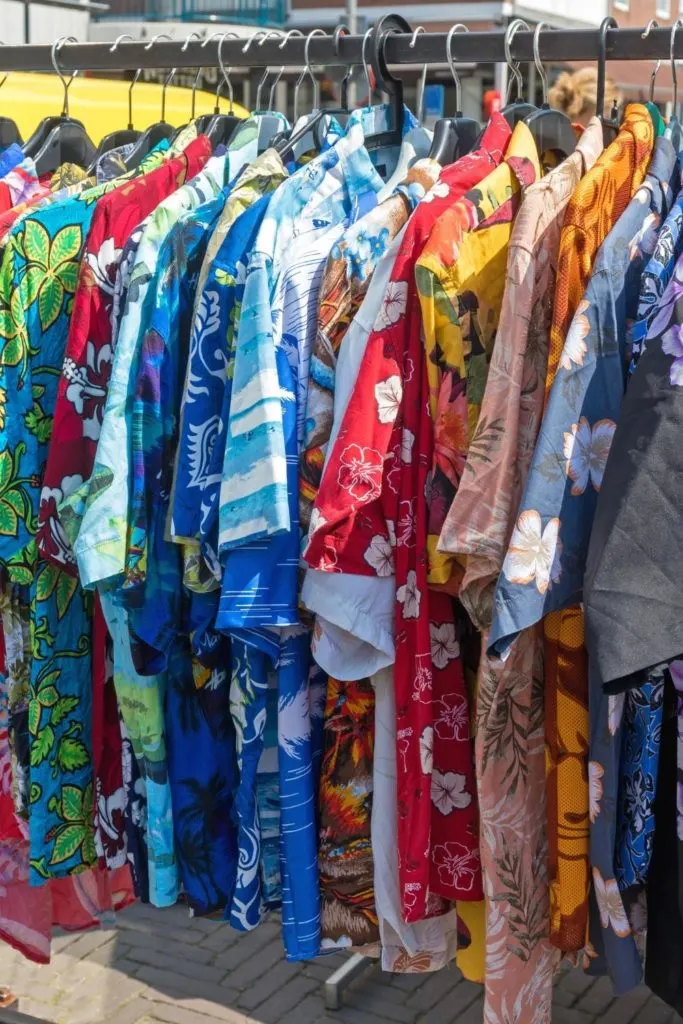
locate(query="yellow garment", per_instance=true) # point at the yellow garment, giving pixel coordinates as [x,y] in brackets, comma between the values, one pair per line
[101,104]
[461,277]
[595,207]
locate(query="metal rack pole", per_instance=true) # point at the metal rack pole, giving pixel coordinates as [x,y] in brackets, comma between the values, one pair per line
[429,48]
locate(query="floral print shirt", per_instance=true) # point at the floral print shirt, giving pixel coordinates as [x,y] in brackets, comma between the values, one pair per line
[18,185]
[460,277]
[367,504]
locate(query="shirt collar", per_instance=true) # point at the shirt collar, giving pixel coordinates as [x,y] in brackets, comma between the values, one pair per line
[495,138]
[590,144]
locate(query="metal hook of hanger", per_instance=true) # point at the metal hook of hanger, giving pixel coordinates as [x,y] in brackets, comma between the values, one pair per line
[538,62]
[193,35]
[297,85]
[343,30]
[307,59]
[652,23]
[513,28]
[271,97]
[195,84]
[672,46]
[264,78]
[112,49]
[606,24]
[245,49]
[366,67]
[451,64]
[150,44]
[56,47]
[226,75]
[423,76]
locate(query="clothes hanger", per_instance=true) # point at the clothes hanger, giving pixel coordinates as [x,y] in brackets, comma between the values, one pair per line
[124,136]
[36,140]
[308,137]
[67,141]
[552,130]
[220,127]
[387,82]
[181,128]
[657,119]
[9,132]
[269,123]
[610,125]
[454,136]
[159,131]
[519,110]
[282,136]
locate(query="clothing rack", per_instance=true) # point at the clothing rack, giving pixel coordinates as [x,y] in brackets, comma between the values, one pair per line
[427,48]
[400,48]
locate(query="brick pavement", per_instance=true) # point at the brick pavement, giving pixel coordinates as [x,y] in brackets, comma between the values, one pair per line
[157,966]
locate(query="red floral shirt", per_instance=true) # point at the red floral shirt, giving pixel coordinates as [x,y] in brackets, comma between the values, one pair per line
[87,360]
[370,518]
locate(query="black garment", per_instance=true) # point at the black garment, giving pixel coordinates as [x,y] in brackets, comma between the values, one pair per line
[633,589]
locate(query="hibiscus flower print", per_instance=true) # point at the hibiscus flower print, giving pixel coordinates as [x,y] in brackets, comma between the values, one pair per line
[317,521]
[595,774]
[388,395]
[575,347]
[445,646]
[456,865]
[87,387]
[610,905]
[534,553]
[422,684]
[409,596]
[103,265]
[439,190]
[405,536]
[426,750]
[360,472]
[615,711]
[380,556]
[407,442]
[393,305]
[452,717]
[391,530]
[672,344]
[449,792]
[586,449]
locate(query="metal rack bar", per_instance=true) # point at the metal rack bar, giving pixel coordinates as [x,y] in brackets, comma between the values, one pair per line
[429,48]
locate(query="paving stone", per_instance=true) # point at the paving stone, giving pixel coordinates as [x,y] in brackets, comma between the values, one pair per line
[563,998]
[111,954]
[173,948]
[170,987]
[130,1013]
[87,942]
[214,1011]
[657,1012]
[434,989]
[222,937]
[246,973]
[179,1015]
[308,1011]
[376,1002]
[561,1015]
[628,1008]
[250,944]
[574,980]
[270,983]
[474,1014]
[178,965]
[285,999]
[352,1015]
[453,1004]
[406,982]
[598,998]
[146,927]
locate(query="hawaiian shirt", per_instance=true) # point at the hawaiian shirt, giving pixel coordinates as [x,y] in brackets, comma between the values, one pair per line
[208,379]
[18,185]
[656,277]
[566,473]
[367,520]
[345,282]
[460,278]
[87,361]
[478,524]
[10,157]
[254,499]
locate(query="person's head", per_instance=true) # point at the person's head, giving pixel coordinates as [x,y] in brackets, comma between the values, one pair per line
[576,94]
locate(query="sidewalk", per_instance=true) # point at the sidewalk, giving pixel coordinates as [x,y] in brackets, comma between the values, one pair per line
[160,966]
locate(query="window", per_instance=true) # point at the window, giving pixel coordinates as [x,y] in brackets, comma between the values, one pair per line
[623,5]
[663,8]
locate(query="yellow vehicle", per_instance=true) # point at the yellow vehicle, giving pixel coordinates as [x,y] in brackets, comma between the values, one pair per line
[100,103]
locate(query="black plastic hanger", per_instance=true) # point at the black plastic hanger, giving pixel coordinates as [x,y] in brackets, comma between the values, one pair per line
[454,136]
[123,136]
[610,125]
[387,82]
[159,131]
[552,130]
[67,141]
[38,140]
[519,110]
[9,132]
